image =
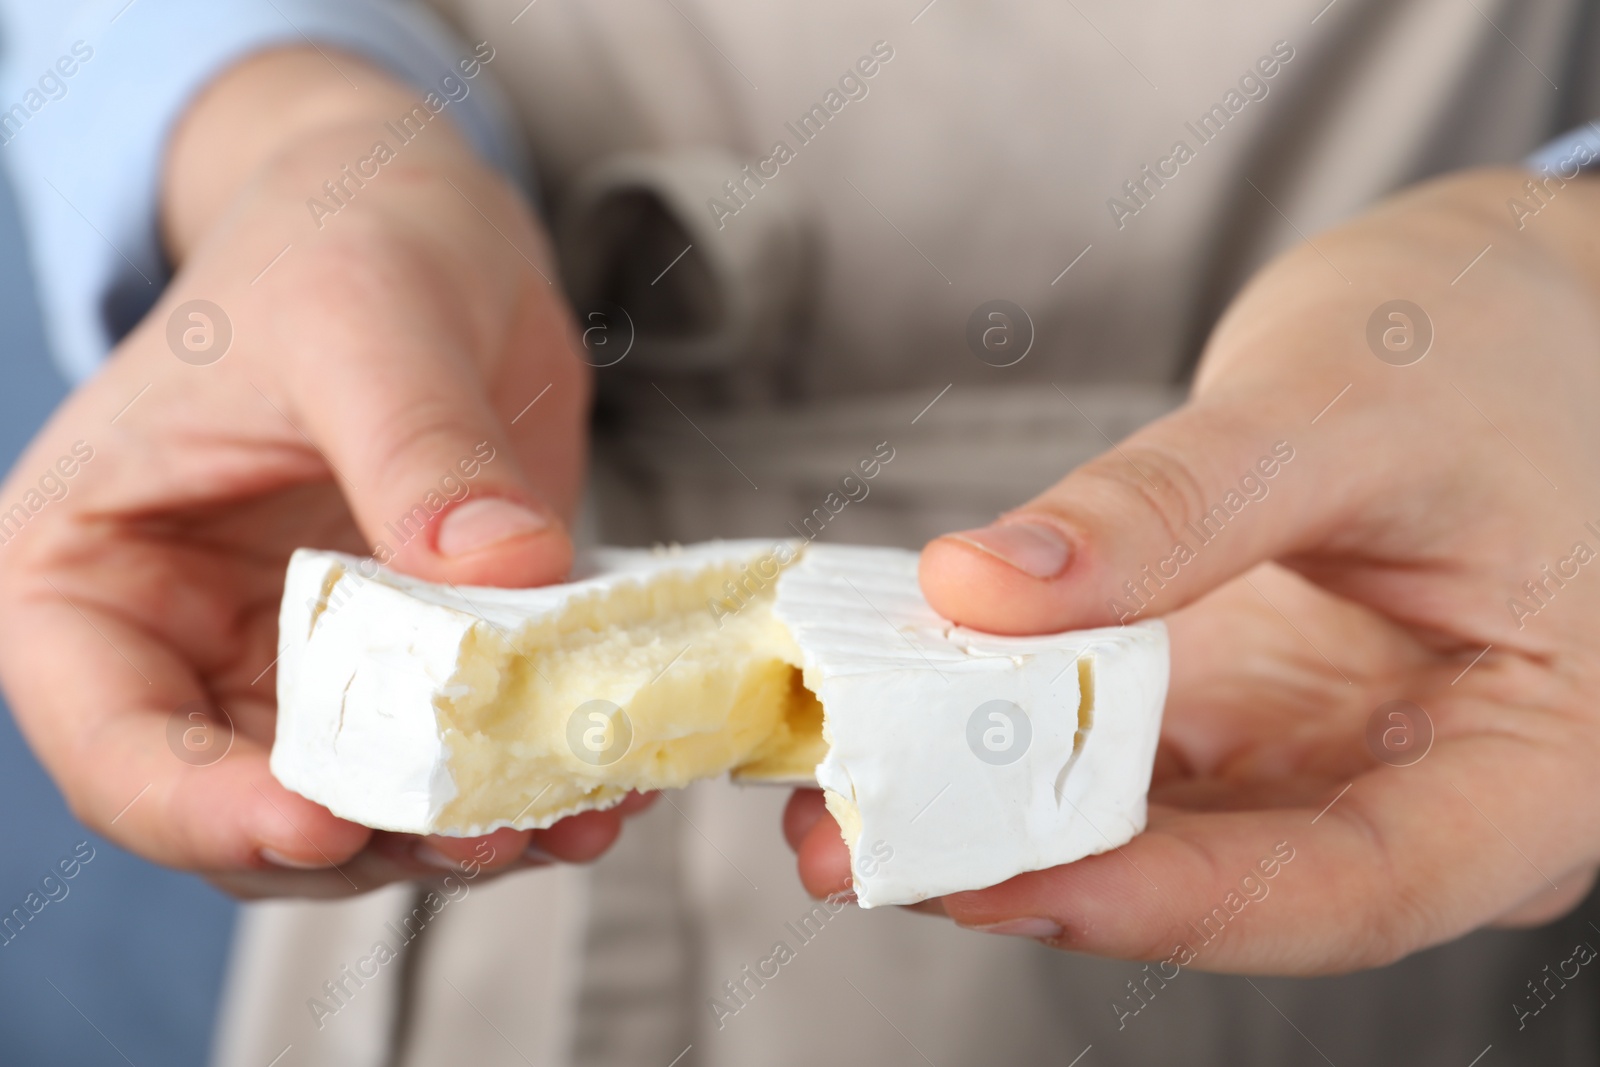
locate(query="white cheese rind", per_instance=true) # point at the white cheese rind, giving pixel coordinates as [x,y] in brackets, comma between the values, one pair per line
[356,729]
[365,655]
[367,658]
[900,686]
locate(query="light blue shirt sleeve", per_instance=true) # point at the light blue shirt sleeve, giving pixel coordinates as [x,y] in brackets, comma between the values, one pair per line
[1570,154]
[91,89]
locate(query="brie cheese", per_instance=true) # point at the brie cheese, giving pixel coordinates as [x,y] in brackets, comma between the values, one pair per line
[951,759]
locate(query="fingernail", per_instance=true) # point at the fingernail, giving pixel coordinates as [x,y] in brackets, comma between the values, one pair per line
[485,522]
[534,854]
[1038,929]
[278,859]
[432,857]
[1033,548]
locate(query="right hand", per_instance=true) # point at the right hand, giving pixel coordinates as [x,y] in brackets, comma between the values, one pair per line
[1402,558]
[409,332]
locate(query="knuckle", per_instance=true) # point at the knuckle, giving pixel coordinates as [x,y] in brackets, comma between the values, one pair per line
[427,433]
[369,292]
[1156,939]
[1391,913]
[1163,483]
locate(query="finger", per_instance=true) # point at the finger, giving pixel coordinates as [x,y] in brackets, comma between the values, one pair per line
[934,908]
[1360,884]
[823,859]
[232,814]
[401,411]
[801,814]
[385,859]
[391,857]
[388,858]
[274,884]
[579,839]
[1547,905]
[229,815]
[217,811]
[1174,511]
[491,852]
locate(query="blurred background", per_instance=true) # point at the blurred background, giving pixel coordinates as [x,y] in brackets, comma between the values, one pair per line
[126,967]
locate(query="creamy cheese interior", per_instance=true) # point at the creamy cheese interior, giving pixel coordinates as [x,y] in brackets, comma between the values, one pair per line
[643,686]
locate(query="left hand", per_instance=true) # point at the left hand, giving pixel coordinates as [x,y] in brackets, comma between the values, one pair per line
[139,606]
[1379,564]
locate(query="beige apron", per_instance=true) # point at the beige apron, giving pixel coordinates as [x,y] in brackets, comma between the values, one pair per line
[821,316]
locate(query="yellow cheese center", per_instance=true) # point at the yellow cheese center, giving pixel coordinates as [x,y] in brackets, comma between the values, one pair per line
[642,686]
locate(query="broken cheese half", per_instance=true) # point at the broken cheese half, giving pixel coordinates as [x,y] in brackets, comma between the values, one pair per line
[951,759]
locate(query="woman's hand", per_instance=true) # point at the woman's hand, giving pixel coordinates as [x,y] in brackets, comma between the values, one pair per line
[1429,532]
[400,378]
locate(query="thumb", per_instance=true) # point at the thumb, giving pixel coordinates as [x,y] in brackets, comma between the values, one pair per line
[1180,507]
[431,476]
